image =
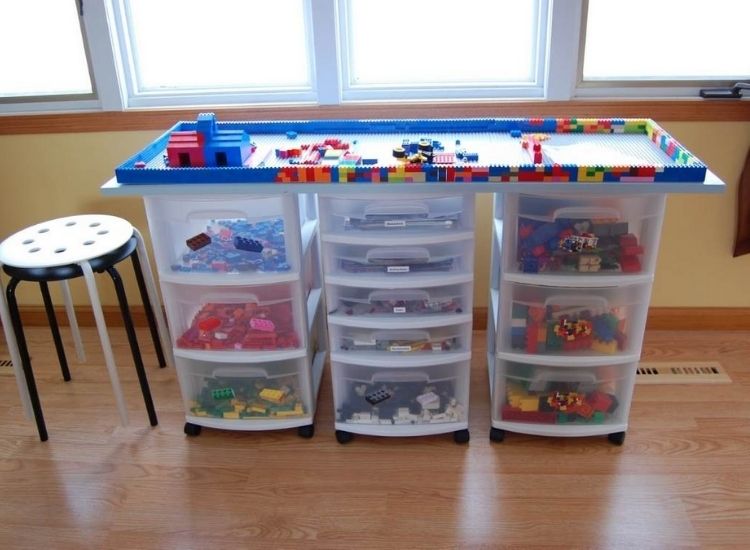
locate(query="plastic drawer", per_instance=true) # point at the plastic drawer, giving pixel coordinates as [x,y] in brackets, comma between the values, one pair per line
[247,318]
[386,342]
[572,321]
[592,235]
[428,395]
[311,268]
[271,391]
[395,261]
[409,214]
[562,395]
[224,236]
[399,302]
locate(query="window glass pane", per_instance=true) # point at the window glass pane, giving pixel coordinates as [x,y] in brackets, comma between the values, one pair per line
[221,44]
[41,49]
[667,40]
[405,42]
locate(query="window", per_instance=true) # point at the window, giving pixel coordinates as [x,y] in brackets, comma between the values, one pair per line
[46,60]
[192,51]
[57,55]
[667,43]
[442,48]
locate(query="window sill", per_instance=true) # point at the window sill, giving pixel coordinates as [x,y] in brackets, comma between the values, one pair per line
[691,110]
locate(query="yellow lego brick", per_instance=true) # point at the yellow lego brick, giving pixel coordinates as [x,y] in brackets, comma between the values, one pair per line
[200,412]
[257,409]
[274,396]
[529,404]
[583,176]
[604,347]
[299,409]
[284,414]
[239,408]
[232,415]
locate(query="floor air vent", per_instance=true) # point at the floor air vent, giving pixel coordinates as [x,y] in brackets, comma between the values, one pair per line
[6,363]
[695,372]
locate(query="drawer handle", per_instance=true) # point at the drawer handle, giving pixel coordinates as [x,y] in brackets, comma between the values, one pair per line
[216,214]
[578,301]
[593,212]
[413,254]
[540,381]
[398,294]
[408,335]
[244,372]
[397,209]
[400,377]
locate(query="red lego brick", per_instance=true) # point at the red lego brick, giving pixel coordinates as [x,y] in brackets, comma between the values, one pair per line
[517,415]
[630,264]
[630,250]
[532,331]
[600,401]
[628,240]
[198,241]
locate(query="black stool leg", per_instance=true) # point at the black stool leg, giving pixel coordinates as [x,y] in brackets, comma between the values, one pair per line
[125,310]
[148,307]
[23,350]
[55,330]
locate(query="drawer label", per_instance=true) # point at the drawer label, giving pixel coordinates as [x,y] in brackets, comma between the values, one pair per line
[399,348]
[398,269]
[399,309]
[395,223]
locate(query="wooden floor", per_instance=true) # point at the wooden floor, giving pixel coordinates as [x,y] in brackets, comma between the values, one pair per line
[682,478]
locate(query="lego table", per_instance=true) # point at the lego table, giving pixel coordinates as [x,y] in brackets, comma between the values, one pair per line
[578,210]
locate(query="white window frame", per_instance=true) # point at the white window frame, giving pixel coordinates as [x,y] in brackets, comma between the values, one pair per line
[136,98]
[99,59]
[355,93]
[632,89]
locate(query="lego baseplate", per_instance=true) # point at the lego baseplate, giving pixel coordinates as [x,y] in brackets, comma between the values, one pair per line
[551,150]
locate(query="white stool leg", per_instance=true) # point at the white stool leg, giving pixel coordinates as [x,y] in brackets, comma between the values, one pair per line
[153,296]
[80,352]
[15,356]
[106,345]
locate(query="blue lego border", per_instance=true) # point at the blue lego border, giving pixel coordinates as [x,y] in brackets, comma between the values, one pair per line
[686,167]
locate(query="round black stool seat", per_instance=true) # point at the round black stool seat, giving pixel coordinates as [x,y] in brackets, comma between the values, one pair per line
[71,271]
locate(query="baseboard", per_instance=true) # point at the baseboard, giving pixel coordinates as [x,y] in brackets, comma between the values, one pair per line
[674,318]
[698,318]
[36,316]
[659,318]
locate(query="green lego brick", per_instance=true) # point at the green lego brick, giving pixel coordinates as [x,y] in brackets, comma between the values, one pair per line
[223,393]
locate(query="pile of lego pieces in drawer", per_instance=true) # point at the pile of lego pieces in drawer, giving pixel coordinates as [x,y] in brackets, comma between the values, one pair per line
[551,329]
[577,245]
[240,398]
[236,246]
[402,403]
[559,403]
[241,327]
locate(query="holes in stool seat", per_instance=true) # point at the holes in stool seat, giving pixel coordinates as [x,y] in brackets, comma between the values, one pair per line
[70,223]
[28,241]
[88,243]
[94,224]
[59,250]
[35,249]
[43,230]
[102,232]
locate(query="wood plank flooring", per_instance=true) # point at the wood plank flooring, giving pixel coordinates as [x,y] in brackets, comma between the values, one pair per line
[682,478]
